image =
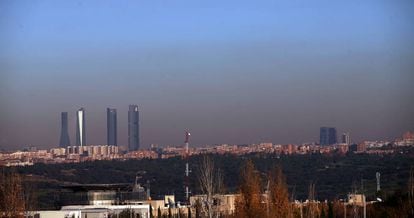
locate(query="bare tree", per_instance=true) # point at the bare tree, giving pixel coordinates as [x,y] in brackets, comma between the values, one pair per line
[11,195]
[312,208]
[206,179]
[355,210]
[220,188]
[30,197]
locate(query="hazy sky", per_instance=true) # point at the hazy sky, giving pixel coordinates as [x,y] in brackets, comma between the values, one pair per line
[230,71]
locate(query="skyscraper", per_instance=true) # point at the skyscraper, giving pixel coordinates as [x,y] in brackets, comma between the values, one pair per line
[327,136]
[133,128]
[64,131]
[111,126]
[346,139]
[80,127]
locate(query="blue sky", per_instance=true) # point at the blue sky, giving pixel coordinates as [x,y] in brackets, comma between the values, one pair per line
[231,71]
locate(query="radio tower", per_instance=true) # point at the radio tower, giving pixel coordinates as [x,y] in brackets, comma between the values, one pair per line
[378,175]
[187,166]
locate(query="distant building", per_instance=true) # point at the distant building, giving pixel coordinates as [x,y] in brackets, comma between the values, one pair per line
[407,140]
[343,148]
[133,128]
[327,136]
[111,126]
[346,139]
[356,199]
[101,194]
[80,127]
[95,151]
[408,136]
[83,211]
[361,147]
[64,132]
[224,204]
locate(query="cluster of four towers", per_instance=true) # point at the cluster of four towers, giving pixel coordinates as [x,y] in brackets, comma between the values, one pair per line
[111,118]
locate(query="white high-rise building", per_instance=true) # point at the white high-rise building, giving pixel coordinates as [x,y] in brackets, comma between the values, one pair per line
[80,128]
[346,139]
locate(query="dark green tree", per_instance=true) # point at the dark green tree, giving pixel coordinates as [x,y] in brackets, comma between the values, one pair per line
[330,210]
[126,213]
[323,215]
[189,212]
[197,209]
[179,212]
[159,213]
[169,213]
[150,210]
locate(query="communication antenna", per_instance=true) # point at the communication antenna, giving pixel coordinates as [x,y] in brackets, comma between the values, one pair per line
[378,175]
[187,166]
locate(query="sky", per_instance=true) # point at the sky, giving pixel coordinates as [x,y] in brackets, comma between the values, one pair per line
[235,72]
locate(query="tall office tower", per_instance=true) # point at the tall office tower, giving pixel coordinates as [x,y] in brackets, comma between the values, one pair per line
[80,127]
[64,131]
[327,136]
[346,139]
[111,126]
[133,128]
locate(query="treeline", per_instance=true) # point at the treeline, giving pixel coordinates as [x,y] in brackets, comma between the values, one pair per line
[267,196]
[334,176]
[273,200]
[260,181]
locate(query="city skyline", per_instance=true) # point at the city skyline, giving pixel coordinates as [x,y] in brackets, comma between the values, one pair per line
[111,132]
[290,106]
[231,72]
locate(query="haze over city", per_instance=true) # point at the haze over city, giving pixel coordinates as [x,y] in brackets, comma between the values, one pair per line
[231,72]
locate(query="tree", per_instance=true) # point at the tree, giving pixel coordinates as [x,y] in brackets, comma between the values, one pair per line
[248,204]
[197,208]
[323,215]
[338,208]
[312,208]
[211,183]
[330,210]
[126,213]
[11,195]
[150,211]
[170,215]
[278,195]
[159,212]
[180,214]
[30,198]
[188,212]
[206,180]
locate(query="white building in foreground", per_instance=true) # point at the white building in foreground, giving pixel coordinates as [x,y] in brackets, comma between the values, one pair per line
[93,211]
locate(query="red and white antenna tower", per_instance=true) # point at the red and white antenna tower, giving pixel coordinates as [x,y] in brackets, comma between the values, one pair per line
[187,166]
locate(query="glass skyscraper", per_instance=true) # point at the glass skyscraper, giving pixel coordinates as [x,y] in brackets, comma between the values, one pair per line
[64,131]
[133,128]
[327,136]
[80,127]
[111,126]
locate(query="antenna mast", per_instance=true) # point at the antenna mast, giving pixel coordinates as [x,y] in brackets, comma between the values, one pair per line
[187,166]
[378,175]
